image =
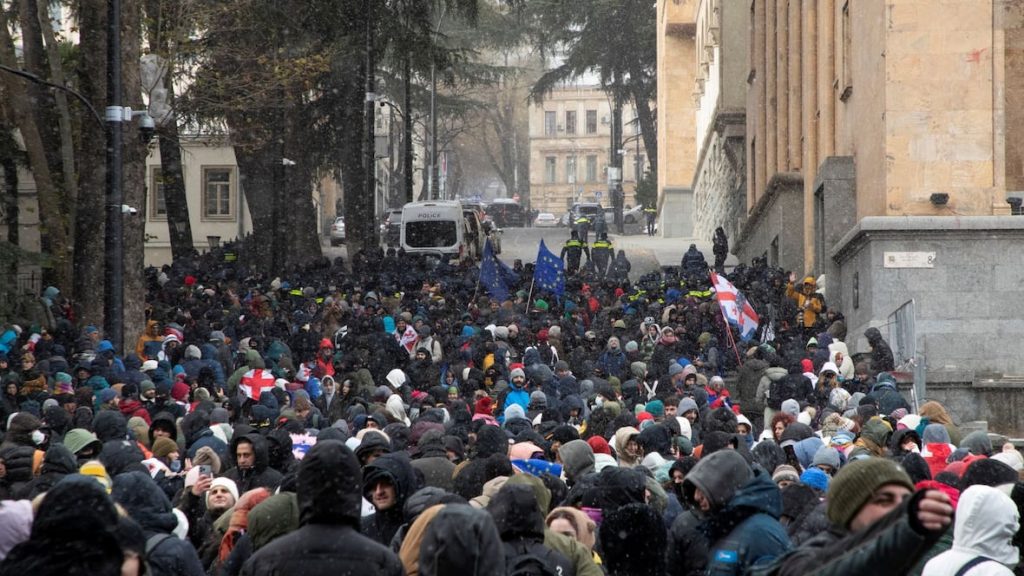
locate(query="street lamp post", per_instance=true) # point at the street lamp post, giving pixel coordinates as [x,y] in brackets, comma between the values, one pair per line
[113,295]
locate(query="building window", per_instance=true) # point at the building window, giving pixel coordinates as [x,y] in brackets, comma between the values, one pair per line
[846,80]
[217,185]
[157,201]
[550,125]
[570,169]
[592,168]
[549,170]
[570,122]
[591,121]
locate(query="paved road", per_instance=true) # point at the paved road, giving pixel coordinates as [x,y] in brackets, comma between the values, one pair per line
[522,244]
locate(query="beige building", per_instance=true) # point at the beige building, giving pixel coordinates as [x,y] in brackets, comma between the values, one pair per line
[570,141]
[883,144]
[216,204]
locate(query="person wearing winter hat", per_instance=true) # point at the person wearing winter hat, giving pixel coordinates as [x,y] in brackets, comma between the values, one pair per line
[656,408]
[791,407]
[516,392]
[784,475]
[827,460]
[816,478]
[96,470]
[877,520]
[107,399]
[988,472]
[163,448]
[222,495]
[63,384]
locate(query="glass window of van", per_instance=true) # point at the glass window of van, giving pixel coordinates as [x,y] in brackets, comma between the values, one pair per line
[431,234]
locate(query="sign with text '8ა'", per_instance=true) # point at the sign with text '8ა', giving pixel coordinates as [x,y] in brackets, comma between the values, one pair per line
[909,260]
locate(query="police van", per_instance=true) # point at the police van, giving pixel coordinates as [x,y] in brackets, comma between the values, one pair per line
[438,227]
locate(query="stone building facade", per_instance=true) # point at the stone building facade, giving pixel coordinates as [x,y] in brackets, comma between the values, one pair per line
[570,146]
[719,94]
[882,140]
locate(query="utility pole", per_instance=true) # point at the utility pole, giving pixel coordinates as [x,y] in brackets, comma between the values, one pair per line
[615,187]
[433,131]
[407,128]
[434,175]
[113,297]
[364,222]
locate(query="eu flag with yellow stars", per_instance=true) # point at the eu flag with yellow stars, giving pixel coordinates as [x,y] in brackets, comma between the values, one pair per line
[549,271]
[491,276]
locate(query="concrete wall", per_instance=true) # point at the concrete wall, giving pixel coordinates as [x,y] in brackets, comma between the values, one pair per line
[776,219]
[938,110]
[999,403]
[835,210]
[967,305]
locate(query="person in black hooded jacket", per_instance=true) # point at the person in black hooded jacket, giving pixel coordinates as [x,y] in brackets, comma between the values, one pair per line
[329,498]
[387,483]
[196,427]
[521,526]
[110,425]
[57,463]
[150,507]
[72,534]
[253,471]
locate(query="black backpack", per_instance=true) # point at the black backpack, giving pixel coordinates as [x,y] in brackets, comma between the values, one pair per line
[781,390]
[529,565]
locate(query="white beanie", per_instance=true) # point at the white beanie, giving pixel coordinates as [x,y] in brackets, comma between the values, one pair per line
[225,483]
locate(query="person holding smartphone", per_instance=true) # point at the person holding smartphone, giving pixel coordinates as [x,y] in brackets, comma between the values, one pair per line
[203,503]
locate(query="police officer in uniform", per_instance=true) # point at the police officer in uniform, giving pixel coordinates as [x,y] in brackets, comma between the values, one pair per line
[574,248]
[651,213]
[602,254]
[582,225]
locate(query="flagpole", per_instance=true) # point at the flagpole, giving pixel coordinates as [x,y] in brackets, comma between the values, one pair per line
[529,298]
[728,327]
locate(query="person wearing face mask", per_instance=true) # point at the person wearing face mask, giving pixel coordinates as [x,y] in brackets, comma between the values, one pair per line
[19,449]
[166,467]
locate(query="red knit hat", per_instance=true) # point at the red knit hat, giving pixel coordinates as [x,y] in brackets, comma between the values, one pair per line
[644,416]
[485,405]
[599,445]
[179,391]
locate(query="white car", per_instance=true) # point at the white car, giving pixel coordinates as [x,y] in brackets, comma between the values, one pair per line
[545,220]
[338,231]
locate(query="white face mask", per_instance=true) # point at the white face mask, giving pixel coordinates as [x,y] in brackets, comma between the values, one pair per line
[38,437]
[599,400]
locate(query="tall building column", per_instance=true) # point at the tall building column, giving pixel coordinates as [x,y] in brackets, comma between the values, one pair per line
[771,96]
[810,123]
[782,64]
[826,78]
[795,87]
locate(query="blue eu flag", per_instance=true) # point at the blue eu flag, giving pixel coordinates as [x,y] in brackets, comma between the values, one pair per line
[549,271]
[492,274]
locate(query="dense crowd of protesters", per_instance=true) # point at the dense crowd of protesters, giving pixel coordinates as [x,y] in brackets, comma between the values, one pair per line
[390,417]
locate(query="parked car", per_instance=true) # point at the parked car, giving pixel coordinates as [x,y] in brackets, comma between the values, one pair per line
[338,231]
[391,228]
[545,220]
